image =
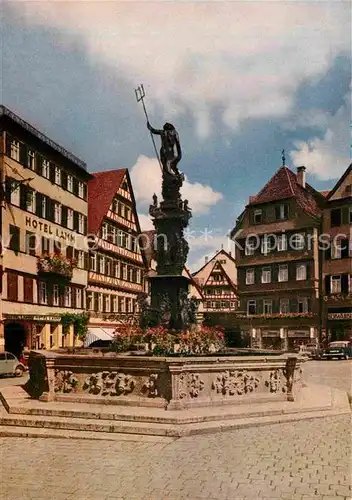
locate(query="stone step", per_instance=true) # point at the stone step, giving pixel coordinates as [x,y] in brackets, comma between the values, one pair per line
[40,432]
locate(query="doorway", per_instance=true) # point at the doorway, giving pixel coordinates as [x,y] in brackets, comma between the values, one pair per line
[15,338]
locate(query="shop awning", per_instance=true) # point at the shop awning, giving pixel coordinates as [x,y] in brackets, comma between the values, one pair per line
[95,334]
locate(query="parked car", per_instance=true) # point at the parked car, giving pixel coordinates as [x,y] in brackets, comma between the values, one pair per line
[10,365]
[341,349]
[313,351]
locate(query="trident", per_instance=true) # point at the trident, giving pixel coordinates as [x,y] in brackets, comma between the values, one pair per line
[140,95]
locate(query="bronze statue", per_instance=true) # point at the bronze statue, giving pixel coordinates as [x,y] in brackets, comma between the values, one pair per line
[155,200]
[170,151]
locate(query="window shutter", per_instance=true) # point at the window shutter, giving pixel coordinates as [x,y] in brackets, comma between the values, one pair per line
[344,248]
[39,164]
[23,154]
[327,285]
[291,271]
[69,252]
[50,209]
[275,273]
[28,289]
[294,305]
[12,286]
[64,179]
[23,196]
[96,302]
[64,215]
[15,238]
[75,221]
[38,205]
[276,306]
[52,173]
[345,215]
[75,186]
[344,283]
[8,189]
[85,190]
[73,297]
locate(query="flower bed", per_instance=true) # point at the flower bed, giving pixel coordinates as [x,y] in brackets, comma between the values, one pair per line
[57,265]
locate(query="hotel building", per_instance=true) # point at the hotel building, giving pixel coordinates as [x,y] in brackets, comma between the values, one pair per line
[43,212]
[337,266]
[116,262]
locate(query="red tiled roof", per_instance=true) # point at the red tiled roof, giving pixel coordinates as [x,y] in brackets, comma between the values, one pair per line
[101,190]
[284,185]
[325,193]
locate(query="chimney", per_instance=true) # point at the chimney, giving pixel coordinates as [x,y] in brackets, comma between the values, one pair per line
[206,259]
[301,176]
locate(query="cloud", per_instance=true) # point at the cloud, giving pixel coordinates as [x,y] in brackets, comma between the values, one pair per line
[327,157]
[146,180]
[192,63]
[204,244]
[145,222]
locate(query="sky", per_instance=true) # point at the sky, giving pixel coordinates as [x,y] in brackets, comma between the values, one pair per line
[239,80]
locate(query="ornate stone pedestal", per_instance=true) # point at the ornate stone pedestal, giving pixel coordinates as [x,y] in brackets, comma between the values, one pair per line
[168,296]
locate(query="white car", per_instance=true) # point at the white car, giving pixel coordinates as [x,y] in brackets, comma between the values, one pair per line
[9,365]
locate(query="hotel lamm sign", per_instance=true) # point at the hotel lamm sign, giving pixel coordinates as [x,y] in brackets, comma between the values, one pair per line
[44,227]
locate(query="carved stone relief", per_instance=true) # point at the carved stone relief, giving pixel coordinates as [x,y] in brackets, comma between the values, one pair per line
[65,381]
[190,384]
[235,382]
[275,382]
[151,386]
[109,384]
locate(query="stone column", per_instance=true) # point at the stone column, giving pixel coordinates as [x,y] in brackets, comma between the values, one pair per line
[57,335]
[45,336]
[176,402]
[284,339]
[259,338]
[2,336]
[69,337]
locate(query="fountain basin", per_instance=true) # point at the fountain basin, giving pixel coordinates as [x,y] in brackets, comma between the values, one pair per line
[164,382]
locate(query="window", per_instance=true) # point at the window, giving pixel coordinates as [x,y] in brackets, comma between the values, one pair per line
[268,306]
[57,213]
[31,159]
[15,150]
[134,245]
[90,302]
[46,168]
[80,189]
[69,183]
[58,176]
[43,293]
[335,217]
[108,267]
[281,212]
[250,277]
[139,276]
[31,243]
[116,269]
[100,302]
[249,246]
[336,250]
[282,243]
[14,238]
[81,223]
[301,272]
[297,241]
[69,218]
[303,305]
[45,245]
[120,238]
[284,306]
[251,307]
[283,273]
[266,275]
[93,262]
[267,244]
[107,303]
[57,247]
[68,296]
[15,197]
[335,284]
[258,216]
[102,264]
[31,201]
[114,304]
[78,298]
[104,231]
[56,297]
[124,272]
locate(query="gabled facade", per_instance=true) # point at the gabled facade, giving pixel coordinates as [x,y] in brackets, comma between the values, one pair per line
[337,266]
[43,214]
[217,281]
[116,262]
[277,259]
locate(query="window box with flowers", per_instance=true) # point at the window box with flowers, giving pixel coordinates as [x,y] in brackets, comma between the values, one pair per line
[56,268]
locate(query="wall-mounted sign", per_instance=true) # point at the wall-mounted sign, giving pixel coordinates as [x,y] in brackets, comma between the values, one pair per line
[298,333]
[44,227]
[32,317]
[340,315]
[110,280]
[110,247]
[270,333]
